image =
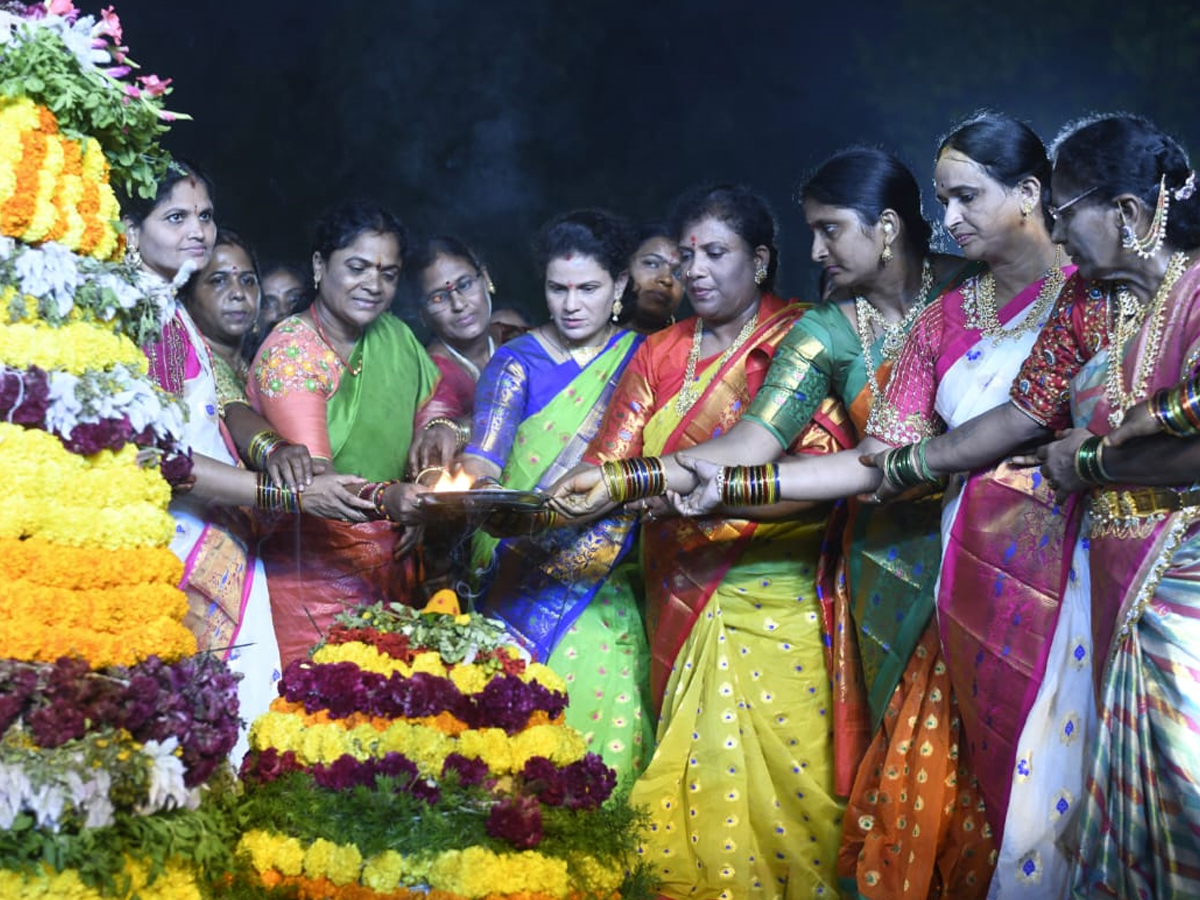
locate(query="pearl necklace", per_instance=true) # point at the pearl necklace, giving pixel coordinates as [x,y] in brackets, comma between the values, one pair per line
[689,392]
[979,304]
[894,333]
[471,368]
[1122,326]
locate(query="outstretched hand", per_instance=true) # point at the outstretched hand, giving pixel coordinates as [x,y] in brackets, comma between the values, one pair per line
[705,497]
[886,490]
[580,493]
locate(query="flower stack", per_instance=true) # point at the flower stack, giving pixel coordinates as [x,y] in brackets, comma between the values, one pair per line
[110,725]
[417,754]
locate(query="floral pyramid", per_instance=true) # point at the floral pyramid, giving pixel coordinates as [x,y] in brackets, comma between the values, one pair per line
[418,755]
[110,725]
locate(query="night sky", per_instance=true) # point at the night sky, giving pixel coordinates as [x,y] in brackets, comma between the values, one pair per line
[482,118]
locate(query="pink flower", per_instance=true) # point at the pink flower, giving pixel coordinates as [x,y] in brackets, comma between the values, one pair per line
[153,85]
[131,91]
[63,8]
[117,71]
[110,24]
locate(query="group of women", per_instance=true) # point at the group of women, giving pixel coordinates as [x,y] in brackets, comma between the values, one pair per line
[890,595]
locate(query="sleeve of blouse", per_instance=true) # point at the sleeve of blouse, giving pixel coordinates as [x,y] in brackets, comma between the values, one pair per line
[1042,388]
[632,404]
[799,379]
[443,399]
[500,400]
[291,393]
[905,413]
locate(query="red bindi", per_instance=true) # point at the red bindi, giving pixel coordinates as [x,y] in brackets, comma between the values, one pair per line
[693,240]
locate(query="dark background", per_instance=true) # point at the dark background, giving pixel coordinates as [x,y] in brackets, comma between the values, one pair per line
[482,118]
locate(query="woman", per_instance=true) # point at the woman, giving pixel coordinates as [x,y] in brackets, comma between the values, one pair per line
[1117,350]
[732,608]
[350,381]
[654,291]
[963,352]
[222,299]
[283,293]
[171,235]
[539,402]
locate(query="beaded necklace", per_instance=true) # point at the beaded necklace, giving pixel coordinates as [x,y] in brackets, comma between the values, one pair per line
[316,317]
[1122,326]
[471,368]
[689,392]
[894,333]
[979,304]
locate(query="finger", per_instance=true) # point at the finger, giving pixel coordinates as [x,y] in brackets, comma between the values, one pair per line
[868,460]
[1024,461]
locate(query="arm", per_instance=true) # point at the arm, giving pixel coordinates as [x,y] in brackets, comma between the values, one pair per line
[500,402]
[330,496]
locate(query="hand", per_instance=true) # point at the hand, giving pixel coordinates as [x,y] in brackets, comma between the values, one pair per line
[581,492]
[334,496]
[653,508]
[435,446]
[510,523]
[1058,462]
[406,542]
[291,465]
[705,497]
[1138,423]
[402,502]
[886,490]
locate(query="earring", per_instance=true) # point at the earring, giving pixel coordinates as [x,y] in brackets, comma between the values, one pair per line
[316,281]
[133,256]
[1026,209]
[760,271]
[616,310]
[491,285]
[886,256]
[1147,246]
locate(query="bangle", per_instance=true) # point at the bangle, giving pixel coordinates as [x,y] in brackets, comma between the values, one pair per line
[635,478]
[1177,410]
[461,434]
[262,445]
[749,485]
[375,491]
[273,497]
[1087,465]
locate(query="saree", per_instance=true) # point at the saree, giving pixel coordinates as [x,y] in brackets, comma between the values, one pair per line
[739,790]
[976,694]
[563,593]
[229,609]
[1140,814]
[363,423]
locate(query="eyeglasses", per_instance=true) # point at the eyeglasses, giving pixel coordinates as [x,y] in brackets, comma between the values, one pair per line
[441,299]
[1056,212]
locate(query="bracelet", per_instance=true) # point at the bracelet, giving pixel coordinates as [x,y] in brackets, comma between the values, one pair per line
[262,445]
[906,467]
[1087,465]
[1177,410]
[273,497]
[749,485]
[461,433]
[635,478]
[374,492]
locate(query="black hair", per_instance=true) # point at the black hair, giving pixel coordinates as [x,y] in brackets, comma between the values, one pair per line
[340,225]
[136,207]
[869,180]
[644,232]
[228,238]
[746,212]
[602,235]
[440,245]
[1007,149]
[1128,154]
[299,272]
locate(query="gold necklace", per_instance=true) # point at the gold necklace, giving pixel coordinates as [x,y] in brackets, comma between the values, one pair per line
[894,333]
[979,304]
[321,334]
[1122,326]
[689,392]
[583,355]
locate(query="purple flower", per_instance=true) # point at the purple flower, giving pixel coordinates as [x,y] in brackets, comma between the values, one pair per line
[517,820]
[544,781]
[470,771]
[588,783]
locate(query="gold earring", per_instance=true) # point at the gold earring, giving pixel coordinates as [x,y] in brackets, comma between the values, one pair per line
[1146,247]
[886,256]
[491,285]
[760,271]
[1026,209]
[616,310]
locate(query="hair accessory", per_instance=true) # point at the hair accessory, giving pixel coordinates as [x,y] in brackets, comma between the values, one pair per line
[760,271]
[616,309]
[1147,246]
[1187,189]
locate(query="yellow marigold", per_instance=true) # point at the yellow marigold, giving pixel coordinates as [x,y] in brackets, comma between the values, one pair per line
[596,877]
[383,872]
[469,679]
[340,863]
[545,676]
[430,663]
[363,655]
[561,746]
[44,211]
[476,872]
[75,347]
[174,882]
[54,565]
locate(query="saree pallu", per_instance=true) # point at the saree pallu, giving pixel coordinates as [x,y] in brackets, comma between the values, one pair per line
[229,609]
[739,790]
[563,593]
[1140,830]
[364,423]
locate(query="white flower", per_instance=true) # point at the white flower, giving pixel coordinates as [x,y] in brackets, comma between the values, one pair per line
[167,790]
[14,788]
